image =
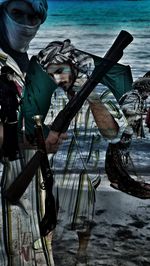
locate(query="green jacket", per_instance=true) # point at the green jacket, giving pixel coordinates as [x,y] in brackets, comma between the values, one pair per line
[36,99]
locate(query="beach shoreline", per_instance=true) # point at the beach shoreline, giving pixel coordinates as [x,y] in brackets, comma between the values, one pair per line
[120,233]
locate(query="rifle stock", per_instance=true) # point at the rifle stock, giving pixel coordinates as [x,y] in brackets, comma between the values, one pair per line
[63,119]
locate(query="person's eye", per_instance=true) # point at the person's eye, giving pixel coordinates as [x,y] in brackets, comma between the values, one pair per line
[34,18]
[16,13]
[59,71]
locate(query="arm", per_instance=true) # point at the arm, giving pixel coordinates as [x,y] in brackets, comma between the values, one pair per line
[107,113]
[52,142]
[104,120]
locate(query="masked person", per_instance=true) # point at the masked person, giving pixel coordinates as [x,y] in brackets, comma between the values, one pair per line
[19,224]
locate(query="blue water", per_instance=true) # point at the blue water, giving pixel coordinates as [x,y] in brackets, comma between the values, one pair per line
[93,26]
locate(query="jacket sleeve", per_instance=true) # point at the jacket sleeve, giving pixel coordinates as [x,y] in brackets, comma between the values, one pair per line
[36,100]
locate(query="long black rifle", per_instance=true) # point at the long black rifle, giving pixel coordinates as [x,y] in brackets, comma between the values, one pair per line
[63,119]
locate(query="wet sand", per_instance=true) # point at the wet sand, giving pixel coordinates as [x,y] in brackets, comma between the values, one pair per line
[120,233]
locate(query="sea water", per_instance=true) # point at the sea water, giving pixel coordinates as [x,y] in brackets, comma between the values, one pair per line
[93,26]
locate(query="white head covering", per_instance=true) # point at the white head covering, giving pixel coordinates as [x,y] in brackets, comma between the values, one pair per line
[64,52]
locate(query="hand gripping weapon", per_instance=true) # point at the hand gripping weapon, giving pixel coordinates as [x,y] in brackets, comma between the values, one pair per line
[63,119]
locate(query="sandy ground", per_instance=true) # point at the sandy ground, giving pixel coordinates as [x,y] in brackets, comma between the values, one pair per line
[120,233]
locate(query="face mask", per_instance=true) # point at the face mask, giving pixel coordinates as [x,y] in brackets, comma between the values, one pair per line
[19,35]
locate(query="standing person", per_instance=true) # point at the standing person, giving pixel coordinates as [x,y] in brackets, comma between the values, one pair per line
[19,225]
[70,69]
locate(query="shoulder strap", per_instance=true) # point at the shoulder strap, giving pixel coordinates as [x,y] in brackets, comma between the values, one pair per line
[5,59]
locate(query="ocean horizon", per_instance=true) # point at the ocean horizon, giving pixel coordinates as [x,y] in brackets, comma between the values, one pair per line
[92,26]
